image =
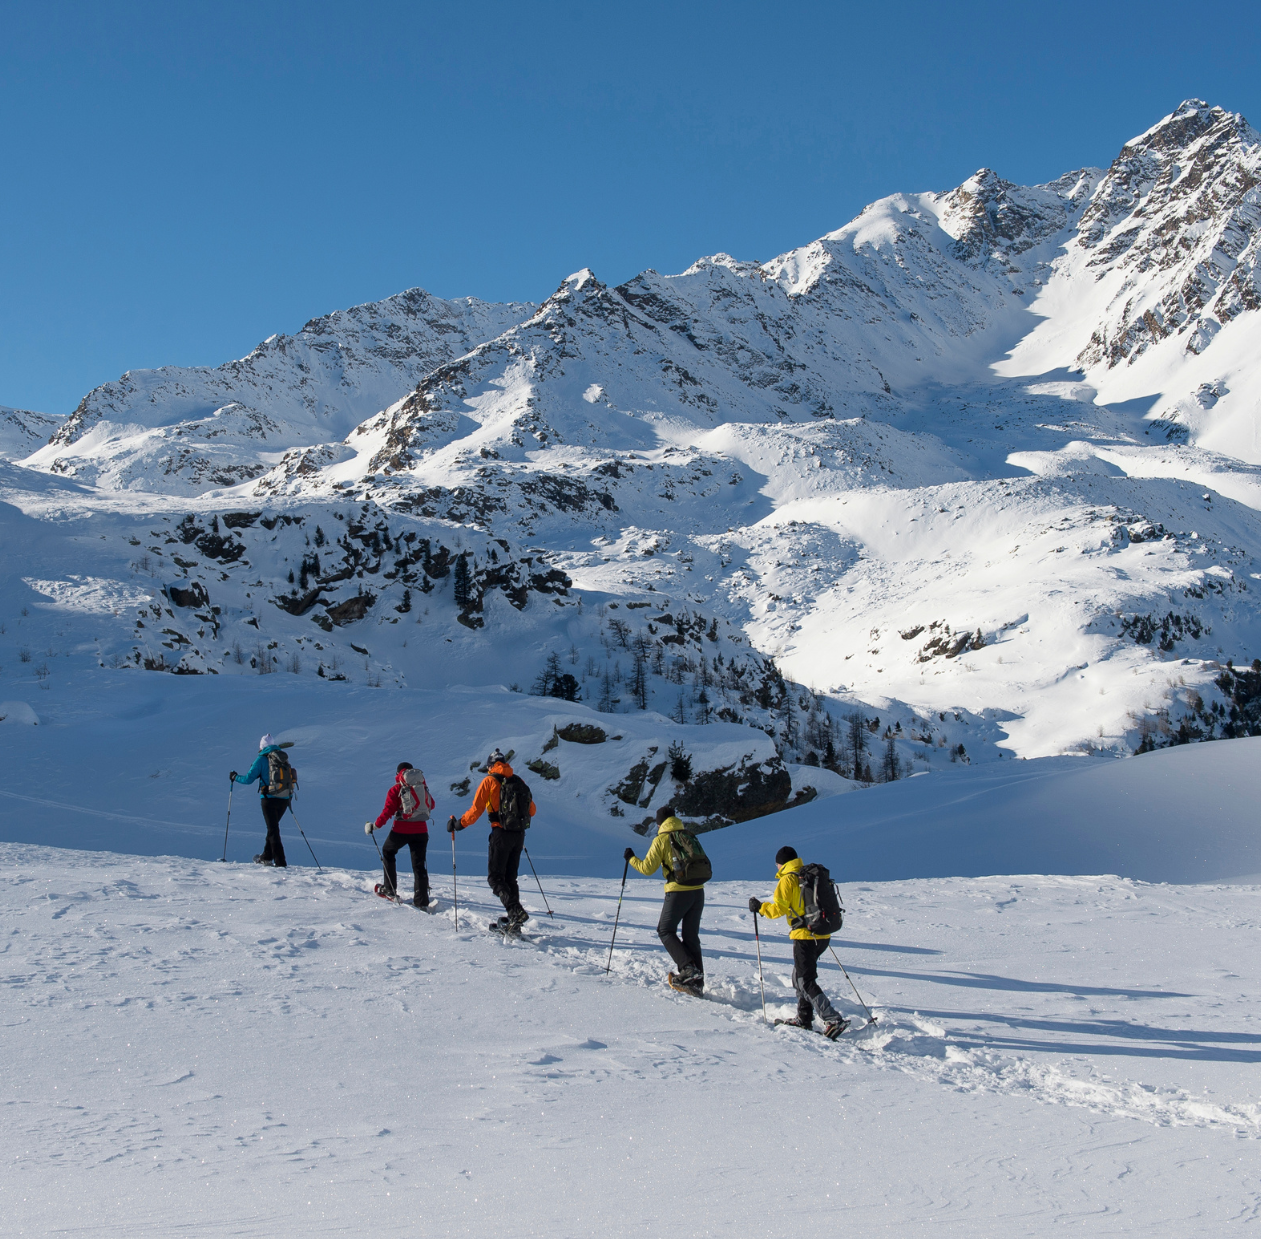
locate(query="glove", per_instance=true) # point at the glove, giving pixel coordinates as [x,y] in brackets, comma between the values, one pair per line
[629,854]
[232,776]
[451,826]
[369,827]
[755,905]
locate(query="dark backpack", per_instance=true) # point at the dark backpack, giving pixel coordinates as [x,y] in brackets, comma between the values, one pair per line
[689,866]
[282,778]
[514,803]
[824,914]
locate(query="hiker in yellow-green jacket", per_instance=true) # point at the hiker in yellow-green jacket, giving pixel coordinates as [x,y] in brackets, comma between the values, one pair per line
[683,903]
[807,947]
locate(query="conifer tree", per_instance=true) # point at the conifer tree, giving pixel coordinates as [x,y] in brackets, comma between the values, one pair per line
[462,582]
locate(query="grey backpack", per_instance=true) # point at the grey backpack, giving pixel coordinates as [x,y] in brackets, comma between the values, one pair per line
[282,778]
[412,797]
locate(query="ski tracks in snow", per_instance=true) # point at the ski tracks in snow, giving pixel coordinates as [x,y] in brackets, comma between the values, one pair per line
[239,1036]
[935,1050]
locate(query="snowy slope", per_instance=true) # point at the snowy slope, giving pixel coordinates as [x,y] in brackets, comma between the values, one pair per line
[151,756]
[887,470]
[222,1050]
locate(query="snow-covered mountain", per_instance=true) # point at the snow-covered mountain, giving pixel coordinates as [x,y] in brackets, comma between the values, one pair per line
[183,430]
[983,463]
[22,431]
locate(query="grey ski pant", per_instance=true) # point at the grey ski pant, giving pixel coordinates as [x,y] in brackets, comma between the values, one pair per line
[811,1000]
[685,906]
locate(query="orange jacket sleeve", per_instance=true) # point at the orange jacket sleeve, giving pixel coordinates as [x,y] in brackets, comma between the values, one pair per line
[487,797]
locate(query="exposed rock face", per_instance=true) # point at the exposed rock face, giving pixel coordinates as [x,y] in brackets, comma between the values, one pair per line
[582,733]
[736,793]
[1177,215]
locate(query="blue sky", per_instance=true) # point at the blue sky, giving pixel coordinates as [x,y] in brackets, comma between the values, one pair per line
[182,180]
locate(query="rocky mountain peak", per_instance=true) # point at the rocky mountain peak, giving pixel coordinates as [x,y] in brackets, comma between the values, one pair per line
[1179,210]
[990,218]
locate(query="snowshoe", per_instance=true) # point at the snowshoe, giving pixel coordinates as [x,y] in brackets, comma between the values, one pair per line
[261,860]
[505,928]
[384,891]
[833,1028]
[691,985]
[517,917]
[795,1022]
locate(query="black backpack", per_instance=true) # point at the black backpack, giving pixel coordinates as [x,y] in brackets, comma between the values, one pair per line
[514,803]
[689,866]
[824,914]
[282,778]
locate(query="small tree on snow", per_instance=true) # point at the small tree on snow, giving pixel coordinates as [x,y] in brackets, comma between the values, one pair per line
[606,692]
[856,741]
[679,714]
[890,766]
[546,683]
[680,762]
[639,681]
[702,706]
[462,582]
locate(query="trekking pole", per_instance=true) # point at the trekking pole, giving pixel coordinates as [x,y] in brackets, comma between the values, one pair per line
[455,890]
[618,917]
[757,938]
[231,787]
[871,1019]
[304,838]
[378,848]
[534,871]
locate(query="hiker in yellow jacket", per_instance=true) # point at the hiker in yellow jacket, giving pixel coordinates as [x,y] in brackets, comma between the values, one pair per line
[807,947]
[682,904]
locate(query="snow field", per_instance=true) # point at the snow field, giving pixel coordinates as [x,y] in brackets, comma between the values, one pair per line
[229,1050]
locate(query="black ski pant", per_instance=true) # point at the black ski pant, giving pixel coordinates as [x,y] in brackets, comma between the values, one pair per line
[811,1000]
[273,810]
[502,861]
[418,843]
[684,906]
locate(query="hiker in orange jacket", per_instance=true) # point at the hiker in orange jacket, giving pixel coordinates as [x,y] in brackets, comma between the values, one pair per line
[507,833]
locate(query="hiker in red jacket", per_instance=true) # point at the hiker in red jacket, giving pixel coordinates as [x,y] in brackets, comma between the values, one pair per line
[409,803]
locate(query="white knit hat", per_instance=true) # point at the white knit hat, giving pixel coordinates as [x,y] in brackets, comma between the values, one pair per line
[266,740]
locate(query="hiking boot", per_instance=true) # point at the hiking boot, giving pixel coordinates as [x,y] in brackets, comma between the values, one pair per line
[833,1028]
[517,917]
[420,904]
[796,1022]
[261,860]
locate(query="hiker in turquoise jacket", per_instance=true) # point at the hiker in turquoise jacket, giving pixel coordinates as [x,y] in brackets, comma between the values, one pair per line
[274,807]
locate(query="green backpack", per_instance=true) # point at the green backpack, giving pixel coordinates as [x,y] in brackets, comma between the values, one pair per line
[689,866]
